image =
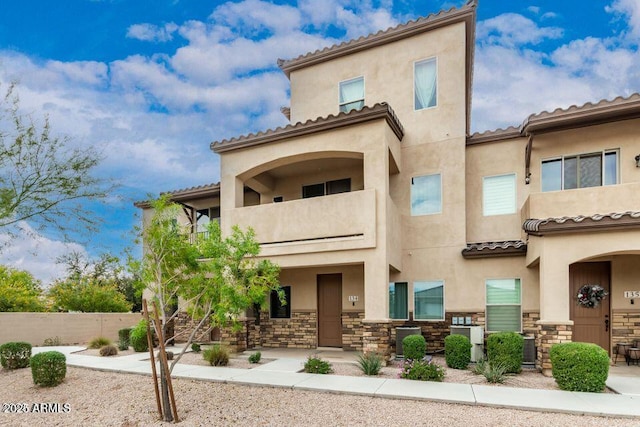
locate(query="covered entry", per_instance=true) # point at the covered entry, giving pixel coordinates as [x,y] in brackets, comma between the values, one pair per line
[330,310]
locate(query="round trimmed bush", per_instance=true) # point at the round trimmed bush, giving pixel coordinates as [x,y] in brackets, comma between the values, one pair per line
[506,348]
[48,368]
[457,351]
[414,347]
[108,350]
[15,355]
[579,366]
[138,337]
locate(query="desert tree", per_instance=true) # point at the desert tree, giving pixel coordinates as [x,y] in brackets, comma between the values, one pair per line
[42,179]
[20,291]
[215,279]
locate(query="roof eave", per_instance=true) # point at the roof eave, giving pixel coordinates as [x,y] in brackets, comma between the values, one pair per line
[378,111]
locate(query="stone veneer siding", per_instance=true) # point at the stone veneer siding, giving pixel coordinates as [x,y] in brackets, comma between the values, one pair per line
[625,327]
[548,336]
[352,330]
[300,331]
[183,325]
[376,338]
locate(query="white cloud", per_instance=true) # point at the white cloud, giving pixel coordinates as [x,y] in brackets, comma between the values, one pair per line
[512,79]
[630,9]
[152,33]
[254,16]
[512,30]
[28,250]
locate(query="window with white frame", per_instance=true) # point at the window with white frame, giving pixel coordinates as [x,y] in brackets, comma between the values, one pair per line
[425,84]
[580,171]
[398,301]
[499,195]
[426,195]
[351,94]
[504,305]
[428,300]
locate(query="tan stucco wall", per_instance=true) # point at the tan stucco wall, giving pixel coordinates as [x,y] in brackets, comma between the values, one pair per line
[625,271]
[485,160]
[388,77]
[304,290]
[72,328]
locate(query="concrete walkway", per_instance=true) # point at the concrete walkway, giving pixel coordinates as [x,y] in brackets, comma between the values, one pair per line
[284,372]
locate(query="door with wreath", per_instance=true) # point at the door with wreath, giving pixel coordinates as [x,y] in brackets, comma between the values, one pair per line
[590,286]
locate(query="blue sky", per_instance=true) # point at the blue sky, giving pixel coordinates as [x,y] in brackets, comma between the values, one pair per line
[152,83]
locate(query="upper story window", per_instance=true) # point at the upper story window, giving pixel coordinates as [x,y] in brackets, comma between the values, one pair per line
[425,84]
[326,188]
[580,171]
[351,94]
[426,195]
[499,194]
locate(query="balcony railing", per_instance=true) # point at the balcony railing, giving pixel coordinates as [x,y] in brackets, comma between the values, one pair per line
[319,219]
[583,201]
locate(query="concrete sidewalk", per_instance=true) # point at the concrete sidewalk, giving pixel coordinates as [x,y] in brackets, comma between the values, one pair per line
[284,372]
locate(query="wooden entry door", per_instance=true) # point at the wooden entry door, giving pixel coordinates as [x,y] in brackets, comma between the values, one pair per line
[591,324]
[330,310]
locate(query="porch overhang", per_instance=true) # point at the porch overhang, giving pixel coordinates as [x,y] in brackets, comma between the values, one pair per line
[495,249]
[578,224]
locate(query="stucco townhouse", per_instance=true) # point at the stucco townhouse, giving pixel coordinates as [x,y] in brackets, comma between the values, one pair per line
[383,211]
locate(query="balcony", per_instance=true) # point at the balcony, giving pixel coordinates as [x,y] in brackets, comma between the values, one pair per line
[336,222]
[583,201]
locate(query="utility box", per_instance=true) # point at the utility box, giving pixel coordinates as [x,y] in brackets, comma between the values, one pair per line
[476,337]
[401,333]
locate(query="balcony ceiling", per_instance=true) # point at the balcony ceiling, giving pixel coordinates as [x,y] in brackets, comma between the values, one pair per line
[315,166]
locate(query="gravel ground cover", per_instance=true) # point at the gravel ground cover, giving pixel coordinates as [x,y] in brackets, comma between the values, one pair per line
[96,398]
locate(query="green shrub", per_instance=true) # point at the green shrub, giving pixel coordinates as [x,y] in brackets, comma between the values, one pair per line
[315,365]
[480,366]
[138,337]
[255,357]
[15,355]
[48,368]
[495,372]
[52,342]
[457,351]
[216,356]
[578,366]
[414,347]
[370,363]
[123,339]
[99,342]
[506,348]
[422,370]
[108,350]
[195,347]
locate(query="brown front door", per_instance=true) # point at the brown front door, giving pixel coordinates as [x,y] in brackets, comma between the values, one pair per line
[330,310]
[591,324]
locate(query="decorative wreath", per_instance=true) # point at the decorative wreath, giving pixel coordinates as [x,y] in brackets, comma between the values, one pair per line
[591,295]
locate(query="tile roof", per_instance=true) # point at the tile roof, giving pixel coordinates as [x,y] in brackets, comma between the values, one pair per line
[198,192]
[495,249]
[377,111]
[433,21]
[596,222]
[604,111]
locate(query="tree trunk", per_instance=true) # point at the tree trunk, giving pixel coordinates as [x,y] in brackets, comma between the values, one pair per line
[164,389]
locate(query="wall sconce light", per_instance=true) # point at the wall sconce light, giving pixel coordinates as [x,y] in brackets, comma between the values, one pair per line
[638,161]
[527,179]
